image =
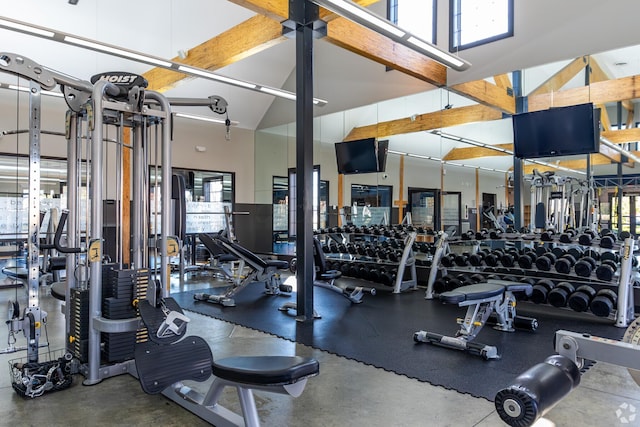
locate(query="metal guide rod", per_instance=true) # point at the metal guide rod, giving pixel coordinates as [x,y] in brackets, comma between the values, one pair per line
[74,130]
[33,310]
[625,305]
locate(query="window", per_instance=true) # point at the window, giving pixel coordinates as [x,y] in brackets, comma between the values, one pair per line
[476,22]
[416,16]
[371,204]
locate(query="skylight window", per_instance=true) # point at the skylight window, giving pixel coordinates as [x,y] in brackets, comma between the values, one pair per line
[476,22]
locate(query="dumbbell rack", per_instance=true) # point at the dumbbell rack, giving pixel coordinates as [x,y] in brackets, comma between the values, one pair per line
[623,312]
[405,278]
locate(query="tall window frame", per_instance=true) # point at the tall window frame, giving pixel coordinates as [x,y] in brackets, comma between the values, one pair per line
[410,15]
[460,39]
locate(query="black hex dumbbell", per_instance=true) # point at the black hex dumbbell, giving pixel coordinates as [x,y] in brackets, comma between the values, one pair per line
[541,290]
[581,298]
[606,270]
[565,264]
[546,261]
[585,266]
[559,296]
[527,260]
[586,238]
[604,302]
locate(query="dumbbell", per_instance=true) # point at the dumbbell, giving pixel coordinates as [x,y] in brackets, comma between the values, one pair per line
[370,251]
[462,260]
[559,295]
[374,274]
[325,248]
[491,259]
[558,251]
[476,259]
[576,252]
[387,278]
[495,234]
[611,256]
[509,258]
[545,261]
[607,241]
[478,278]
[354,270]
[394,255]
[584,266]
[448,260]
[547,236]
[586,238]
[527,260]
[482,234]
[565,264]
[592,253]
[604,302]
[363,272]
[606,270]
[568,235]
[540,291]
[581,298]
[333,248]
[344,268]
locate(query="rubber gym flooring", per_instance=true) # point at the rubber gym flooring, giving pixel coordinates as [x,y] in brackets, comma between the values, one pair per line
[379,332]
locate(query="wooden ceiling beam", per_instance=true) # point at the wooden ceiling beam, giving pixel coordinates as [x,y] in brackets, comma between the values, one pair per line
[577,164]
[597,74]
[559,79]
[265,30]
[245,39]
[369,44]
[599,93]
[503,81]
[466,153]
[622,136]
[425,122]
[488,94]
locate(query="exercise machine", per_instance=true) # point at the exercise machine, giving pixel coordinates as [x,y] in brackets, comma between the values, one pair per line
[536,391]
[325,278]
[495,297]
[260,270]
[161,356]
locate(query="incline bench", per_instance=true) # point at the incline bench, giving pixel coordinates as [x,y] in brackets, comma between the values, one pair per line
[262,270]
[482,300]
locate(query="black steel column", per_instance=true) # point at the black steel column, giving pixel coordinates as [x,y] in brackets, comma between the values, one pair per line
[623,159]
[304,13]
[518,164]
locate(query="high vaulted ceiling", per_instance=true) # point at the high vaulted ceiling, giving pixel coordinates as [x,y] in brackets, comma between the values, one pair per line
[242,39]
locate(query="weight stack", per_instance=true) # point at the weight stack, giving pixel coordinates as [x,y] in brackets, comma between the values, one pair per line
[125,286]
[79,324]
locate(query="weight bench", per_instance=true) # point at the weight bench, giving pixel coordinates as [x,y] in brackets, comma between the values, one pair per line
[494,303]
[170,357]
[326,279]
[222,261]
[261,270]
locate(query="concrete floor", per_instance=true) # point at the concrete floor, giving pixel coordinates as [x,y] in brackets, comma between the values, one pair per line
[346,393]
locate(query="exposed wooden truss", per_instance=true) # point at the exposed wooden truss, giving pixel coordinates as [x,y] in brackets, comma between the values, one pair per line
[265,30]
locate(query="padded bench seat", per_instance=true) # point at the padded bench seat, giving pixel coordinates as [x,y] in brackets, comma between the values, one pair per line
[265,370]
[19,273]
[277,263]
[481,291]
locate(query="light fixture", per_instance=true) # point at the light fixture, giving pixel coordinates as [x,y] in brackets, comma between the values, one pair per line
[444,162]
[205,119]
[504,151]
[619,149]
[26,89]
[358,14]
[70,39]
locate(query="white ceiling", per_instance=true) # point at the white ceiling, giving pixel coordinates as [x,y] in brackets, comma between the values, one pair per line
[546,30]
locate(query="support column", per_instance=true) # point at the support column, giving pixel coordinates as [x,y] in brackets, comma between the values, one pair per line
[518,164]
[303,14]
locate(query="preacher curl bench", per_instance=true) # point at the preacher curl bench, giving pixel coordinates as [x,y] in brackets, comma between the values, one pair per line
[482,300]
[170,357]
[261,270]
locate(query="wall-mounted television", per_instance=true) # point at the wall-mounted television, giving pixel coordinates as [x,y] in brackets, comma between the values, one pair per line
[361,156]
[562,131]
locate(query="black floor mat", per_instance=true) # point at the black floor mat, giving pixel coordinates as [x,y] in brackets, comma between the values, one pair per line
[379,332]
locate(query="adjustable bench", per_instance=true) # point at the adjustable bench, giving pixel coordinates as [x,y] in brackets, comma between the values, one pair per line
[494,303]
[170,357]
[326,279]
[222,261]
[262,270]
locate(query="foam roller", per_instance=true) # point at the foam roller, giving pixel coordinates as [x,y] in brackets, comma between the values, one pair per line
[534,392]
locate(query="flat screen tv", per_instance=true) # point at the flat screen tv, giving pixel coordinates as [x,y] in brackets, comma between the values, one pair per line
[361,156]
[562,131]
